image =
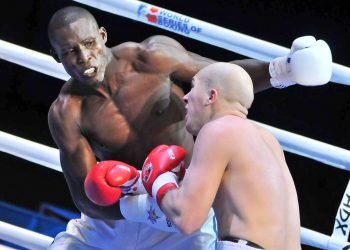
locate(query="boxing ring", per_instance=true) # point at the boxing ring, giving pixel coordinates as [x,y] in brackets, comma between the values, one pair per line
[204,32]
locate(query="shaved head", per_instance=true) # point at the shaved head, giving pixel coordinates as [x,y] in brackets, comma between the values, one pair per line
[232,81]
[68,15]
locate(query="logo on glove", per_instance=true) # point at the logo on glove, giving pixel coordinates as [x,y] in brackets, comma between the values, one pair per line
[147,171]
[152,216]
[171,154]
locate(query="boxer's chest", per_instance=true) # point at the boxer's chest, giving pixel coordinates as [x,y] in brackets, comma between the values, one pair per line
[128,121]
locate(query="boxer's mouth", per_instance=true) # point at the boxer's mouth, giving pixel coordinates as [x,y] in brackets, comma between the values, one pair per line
[90,71]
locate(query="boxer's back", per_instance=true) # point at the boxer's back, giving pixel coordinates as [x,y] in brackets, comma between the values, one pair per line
[257,199]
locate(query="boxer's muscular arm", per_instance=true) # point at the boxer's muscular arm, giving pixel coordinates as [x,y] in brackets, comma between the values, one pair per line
[188,206]
[76,156]
[165,55]
[258,70]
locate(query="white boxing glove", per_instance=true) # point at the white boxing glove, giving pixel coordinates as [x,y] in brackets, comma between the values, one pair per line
[308,63]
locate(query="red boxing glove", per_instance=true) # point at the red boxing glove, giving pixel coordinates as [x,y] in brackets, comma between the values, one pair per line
[107,180]
[163,159]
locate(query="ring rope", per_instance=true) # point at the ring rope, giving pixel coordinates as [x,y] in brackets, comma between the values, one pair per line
[293,143]
[204,32]
[26,238]
[32,59]
[342,223]
[30,151]
[319,240]
[311,148]
[23,237]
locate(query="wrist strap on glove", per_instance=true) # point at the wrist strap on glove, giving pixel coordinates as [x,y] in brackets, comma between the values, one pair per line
[279,69]
[143,208]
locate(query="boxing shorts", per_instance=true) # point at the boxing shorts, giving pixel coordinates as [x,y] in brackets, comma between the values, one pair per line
[87,233]
[233,243]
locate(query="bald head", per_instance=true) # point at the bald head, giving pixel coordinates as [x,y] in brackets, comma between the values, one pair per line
[68,15]
[232,82]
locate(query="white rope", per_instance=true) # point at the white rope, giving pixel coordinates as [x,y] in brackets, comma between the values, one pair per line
[32,240]
[318,240]
[3,247]
[310,148]
[30,151]
[296,144]
[204,32]
[24,237]
[341,228]
[32,59]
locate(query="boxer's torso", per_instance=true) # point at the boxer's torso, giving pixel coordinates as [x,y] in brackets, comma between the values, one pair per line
[138,111]
[256,199]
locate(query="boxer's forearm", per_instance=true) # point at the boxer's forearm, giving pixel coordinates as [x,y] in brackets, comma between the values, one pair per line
[258,71]
[182,212]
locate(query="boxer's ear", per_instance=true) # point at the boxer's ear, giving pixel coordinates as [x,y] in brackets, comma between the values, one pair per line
[213,95]
[103,33]
[54,55]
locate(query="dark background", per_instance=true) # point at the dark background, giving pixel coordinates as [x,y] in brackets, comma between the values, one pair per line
[322,113]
